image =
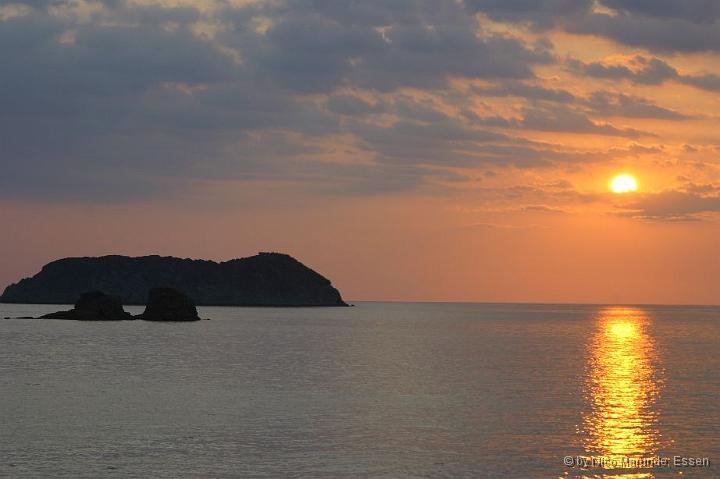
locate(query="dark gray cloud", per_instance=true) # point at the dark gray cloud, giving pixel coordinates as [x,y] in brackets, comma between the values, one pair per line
[310,53]
[443,143]
[656,25]
[425,57]
[599,103]
[353,105]
[645,71]
[381,13]
[569,120]
[604,103]
[656,34]
[525,90]
[705,81]
[426,135]
[317,46]
[698,11]
[132,96]
[540,13]
[559,118]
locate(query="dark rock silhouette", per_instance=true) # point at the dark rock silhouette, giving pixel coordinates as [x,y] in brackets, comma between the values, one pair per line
[267,279]
[94,306]
[167,304]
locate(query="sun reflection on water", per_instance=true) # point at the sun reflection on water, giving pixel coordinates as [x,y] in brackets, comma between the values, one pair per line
[622,387]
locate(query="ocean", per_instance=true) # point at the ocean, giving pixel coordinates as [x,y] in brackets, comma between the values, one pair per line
[380,390]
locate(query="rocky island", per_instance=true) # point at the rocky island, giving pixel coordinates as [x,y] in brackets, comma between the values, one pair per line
[164,304]
[266,279]
[94,306]
[167,304]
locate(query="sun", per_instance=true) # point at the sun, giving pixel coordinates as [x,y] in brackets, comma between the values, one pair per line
[623,184]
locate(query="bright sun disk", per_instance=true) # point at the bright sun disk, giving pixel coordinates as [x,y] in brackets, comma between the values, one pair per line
[623,184]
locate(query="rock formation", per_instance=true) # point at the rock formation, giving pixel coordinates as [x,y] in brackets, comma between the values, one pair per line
[267,279]
[167,304]
[94,306]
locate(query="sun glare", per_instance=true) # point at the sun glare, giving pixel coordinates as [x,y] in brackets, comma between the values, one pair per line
[622,329]
[623,184]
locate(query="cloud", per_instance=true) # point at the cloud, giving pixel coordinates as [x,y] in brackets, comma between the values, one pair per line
[533,197]
[604,103]
[675,205]
[542,209]
[353,106]
[598,103]
[654,33]
[130,97]
[704,81]
[645,71]
[425,134]
[559,118]
[565,119]
[659,26]
[697,11]
[446,142]
[116,100]
[541,14]
[642,70]
[317,46]
[525,90]
[428,57]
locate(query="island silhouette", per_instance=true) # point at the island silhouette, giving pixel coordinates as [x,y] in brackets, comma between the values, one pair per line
[266,279]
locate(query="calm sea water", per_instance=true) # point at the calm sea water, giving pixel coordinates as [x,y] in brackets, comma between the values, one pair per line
[376,391]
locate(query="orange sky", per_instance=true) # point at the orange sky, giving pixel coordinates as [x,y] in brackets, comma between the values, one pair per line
[429,151]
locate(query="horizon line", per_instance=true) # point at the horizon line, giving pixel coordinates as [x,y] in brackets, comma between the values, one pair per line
[538,303]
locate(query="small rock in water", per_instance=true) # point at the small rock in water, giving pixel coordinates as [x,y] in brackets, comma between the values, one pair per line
[167,304]
[94,306]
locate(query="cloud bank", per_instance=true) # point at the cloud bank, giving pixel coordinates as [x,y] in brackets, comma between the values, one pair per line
[129,100]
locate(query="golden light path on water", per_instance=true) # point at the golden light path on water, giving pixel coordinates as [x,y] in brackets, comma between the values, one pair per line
[623,383]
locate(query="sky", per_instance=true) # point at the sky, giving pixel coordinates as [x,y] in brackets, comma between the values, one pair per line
[409,150]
